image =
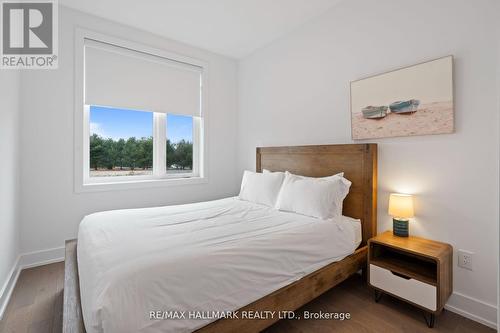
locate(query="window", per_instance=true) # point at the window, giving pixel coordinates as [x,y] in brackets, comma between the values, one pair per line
[120,143]
[179,144]
[141,116]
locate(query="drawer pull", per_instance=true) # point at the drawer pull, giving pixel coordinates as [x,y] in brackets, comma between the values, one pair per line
[401,275]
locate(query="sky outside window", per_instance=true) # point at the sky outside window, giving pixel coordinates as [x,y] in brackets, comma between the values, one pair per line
[123,124]
[179,128]
[120,124]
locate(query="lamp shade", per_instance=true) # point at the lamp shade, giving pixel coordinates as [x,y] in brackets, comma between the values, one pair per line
[401,205]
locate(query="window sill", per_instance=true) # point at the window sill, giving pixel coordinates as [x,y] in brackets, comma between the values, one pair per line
[138,184]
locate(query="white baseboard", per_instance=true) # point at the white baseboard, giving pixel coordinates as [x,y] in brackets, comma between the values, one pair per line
[463,305]
[473,309]
[8,287]
[40,258]
[27,260]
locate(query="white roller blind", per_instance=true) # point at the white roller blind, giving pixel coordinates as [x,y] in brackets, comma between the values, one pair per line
[120,77]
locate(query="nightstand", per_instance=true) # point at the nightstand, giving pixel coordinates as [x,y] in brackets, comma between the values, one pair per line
[413,269]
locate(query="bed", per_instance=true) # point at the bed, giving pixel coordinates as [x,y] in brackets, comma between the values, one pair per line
[206,238]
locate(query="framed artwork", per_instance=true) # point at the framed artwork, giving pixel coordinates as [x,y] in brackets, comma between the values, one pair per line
[415,100]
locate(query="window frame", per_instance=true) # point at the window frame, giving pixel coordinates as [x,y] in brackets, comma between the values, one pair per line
[160,178]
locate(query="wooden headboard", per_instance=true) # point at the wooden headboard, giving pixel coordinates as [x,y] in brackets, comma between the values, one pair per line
[357,161]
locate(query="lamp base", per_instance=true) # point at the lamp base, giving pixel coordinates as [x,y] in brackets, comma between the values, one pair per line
[400,227]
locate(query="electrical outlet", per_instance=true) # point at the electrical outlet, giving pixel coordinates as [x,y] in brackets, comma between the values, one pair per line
[465,259]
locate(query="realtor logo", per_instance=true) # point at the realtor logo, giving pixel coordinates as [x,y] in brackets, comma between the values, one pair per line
[29,34]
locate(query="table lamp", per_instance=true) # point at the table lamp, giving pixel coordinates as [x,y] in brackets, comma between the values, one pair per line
[401,209]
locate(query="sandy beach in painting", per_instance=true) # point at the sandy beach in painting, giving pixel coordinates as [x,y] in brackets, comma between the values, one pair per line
[430,118]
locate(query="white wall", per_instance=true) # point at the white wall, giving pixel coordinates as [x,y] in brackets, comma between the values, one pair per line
[498,91]
[296,91]
[9,178]
[50,209]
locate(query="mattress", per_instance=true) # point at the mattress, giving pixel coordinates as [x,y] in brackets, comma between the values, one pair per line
[209,257]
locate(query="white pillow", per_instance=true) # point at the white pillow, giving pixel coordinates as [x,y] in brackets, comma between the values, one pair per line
[261,188]
[263,171]
[317,197]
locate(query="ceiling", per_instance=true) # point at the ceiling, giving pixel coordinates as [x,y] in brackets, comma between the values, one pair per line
[234,28]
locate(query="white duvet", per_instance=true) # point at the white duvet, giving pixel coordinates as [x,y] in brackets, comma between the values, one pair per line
[211,256]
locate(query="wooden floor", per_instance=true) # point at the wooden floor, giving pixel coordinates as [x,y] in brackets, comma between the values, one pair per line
[37,300]
[36,306]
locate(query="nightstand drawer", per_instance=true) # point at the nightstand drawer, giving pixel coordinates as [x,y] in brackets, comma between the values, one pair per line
[412,290]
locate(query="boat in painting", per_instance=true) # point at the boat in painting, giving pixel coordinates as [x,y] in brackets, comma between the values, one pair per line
[408,106]
[374,112]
